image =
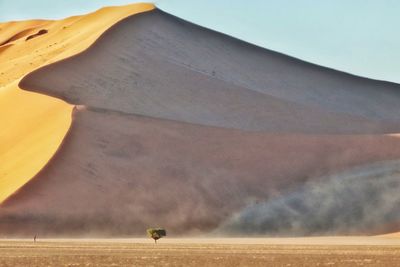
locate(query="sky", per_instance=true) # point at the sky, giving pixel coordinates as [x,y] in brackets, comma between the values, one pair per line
[358,36]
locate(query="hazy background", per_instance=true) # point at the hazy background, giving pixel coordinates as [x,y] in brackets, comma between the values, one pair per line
[358,36]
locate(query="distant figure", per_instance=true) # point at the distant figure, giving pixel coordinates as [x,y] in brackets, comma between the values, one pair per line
[34,239]
[156,233]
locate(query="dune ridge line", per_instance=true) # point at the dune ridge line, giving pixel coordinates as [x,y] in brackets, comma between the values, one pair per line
[35,125]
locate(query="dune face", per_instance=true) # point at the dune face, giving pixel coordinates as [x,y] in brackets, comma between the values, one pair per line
[393,235]
[32,125]
[181,127]
[163,67]
[131,172]
[32,128]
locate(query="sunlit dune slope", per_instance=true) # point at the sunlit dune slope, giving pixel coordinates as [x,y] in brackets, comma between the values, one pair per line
[394,235]
[32,125]
[197,132]
[64,38]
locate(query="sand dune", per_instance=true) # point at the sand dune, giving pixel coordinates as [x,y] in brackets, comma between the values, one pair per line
[32,125]
[183,127]
[117,174]
[164,67]
[12,31]
[391,235]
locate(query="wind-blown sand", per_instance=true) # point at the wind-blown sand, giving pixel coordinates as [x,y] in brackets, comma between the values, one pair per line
[32,125]
[184,177]
[192,130]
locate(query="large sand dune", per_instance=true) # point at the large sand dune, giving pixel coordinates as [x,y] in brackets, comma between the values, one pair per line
[117,174]
[161,66]
[190,129]
[32,125]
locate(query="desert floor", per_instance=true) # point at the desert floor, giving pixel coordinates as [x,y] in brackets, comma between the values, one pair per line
[324,251]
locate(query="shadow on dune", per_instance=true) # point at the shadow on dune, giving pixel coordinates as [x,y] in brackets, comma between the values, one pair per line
[117,174]
[154,64]
[185,127]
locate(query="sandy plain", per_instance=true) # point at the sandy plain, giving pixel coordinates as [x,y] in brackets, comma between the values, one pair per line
[314,251]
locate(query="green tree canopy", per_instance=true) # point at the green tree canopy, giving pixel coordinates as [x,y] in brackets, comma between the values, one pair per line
[156,233]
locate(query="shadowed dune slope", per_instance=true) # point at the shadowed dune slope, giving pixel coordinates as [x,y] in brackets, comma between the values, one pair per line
[32,126]
[184,128]
[118,174]
[160,66]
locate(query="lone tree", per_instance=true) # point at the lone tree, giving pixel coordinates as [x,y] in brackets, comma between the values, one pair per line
[156,233]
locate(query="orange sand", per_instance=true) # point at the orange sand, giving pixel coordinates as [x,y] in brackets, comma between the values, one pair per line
[391,235]
[33,125]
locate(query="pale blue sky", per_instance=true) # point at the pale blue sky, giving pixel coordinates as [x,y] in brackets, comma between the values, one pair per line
[355,36]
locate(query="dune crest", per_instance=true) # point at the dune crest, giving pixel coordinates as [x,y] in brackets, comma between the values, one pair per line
[33,125]
[184,127]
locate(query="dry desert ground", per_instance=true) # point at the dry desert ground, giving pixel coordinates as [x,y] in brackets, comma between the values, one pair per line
[317,251]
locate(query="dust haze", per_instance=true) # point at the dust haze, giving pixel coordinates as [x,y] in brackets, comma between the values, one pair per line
[355,201]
